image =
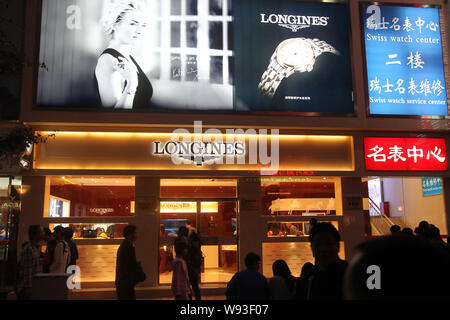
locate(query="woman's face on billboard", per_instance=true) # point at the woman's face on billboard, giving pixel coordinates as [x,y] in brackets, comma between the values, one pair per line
[130,29]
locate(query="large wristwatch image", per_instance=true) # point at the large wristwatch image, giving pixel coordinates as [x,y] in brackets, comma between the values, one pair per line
[292,55]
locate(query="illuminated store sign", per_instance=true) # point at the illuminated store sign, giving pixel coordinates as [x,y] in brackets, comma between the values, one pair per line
[156,55]
[175,207]
[405,70]
[405,154]
[101,211]
[112,150]
[187,207]
[294,22]
[292,56]
[199,152]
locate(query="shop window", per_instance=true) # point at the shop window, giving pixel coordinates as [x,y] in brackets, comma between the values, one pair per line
[292,228]
[209,206]
[89,196]
[198,188]
[215,218]
[296,254]
[219,263]
[94,230]
[176,214]
[292,196]
[218,219]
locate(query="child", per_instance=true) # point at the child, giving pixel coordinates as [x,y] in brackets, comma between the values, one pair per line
[180,278]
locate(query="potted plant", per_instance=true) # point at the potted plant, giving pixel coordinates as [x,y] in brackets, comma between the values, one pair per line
[16,146]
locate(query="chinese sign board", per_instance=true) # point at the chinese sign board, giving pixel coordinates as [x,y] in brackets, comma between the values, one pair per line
[405,154]
[431,186]
[292,56]
[405,70]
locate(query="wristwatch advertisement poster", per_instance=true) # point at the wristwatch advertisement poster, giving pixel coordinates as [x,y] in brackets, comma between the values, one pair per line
[292,56]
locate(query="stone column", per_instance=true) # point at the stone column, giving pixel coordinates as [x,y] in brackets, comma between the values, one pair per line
[147,222]
[446,186]
[250,223]
[32,202]
[352,226]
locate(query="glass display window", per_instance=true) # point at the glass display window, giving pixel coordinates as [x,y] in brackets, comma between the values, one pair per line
[198,188]
[294,196]
[219,263]
[89,196]
[291,228]
[94,230]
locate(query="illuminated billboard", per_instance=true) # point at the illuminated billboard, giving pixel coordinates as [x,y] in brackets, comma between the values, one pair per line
[292,56]
[405,154]
[405,70]
[159,55]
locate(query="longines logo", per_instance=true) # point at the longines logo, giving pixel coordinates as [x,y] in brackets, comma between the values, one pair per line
[215,147]
[294,22]
[199,152]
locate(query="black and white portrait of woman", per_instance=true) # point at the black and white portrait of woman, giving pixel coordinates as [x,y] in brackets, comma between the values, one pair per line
[127,55]
[122,84]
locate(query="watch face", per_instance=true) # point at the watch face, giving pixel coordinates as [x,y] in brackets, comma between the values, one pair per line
[296,53]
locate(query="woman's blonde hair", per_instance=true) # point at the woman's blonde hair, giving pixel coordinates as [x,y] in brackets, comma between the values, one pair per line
[114,13]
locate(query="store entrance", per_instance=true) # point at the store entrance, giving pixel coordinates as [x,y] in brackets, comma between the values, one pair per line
[208,207]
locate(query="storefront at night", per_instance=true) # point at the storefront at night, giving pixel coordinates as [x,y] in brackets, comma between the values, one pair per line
[242,139]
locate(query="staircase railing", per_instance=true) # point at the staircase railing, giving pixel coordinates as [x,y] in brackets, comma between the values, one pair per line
[380,221]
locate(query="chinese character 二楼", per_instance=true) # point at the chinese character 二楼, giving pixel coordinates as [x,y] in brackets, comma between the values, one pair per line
[415,60]
[393,56]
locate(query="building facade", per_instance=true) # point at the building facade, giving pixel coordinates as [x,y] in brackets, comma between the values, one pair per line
[247,168]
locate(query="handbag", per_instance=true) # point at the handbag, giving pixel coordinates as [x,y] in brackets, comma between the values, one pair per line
[140,275]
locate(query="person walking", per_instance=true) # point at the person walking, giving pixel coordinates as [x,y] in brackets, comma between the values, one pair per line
[68,233]
[49,250]
[324,282]
[194,262]
[248,284]
[180,276]
[30,264]
[61,256]
[282,285]
[128,269]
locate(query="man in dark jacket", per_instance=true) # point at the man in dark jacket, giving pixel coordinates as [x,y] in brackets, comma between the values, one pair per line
[248,284]
[323,281]
[126,266]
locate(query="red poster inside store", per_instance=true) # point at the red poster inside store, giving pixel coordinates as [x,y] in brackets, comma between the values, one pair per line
[405,154]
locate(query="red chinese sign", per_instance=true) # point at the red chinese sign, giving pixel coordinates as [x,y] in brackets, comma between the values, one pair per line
[405,154]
